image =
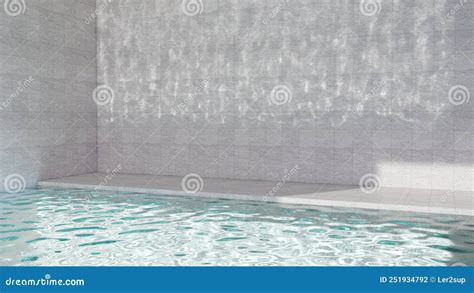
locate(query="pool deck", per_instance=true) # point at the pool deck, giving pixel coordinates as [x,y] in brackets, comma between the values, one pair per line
[396,199]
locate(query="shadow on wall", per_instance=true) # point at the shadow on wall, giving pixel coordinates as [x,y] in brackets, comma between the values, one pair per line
[229,92]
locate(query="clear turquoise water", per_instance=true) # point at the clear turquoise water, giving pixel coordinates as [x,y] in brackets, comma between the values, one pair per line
[75,227]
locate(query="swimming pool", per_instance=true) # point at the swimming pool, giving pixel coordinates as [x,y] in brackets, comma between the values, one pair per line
[81,227]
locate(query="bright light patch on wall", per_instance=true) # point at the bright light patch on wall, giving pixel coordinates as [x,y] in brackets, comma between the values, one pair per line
[435,175]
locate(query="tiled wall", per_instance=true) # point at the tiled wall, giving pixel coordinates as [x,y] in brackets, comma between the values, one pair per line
[48,120]
[364,87]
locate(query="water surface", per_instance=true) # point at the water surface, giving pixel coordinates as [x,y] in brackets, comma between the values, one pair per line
[80,227]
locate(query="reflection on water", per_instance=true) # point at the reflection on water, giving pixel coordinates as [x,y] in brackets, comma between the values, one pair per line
[66,227]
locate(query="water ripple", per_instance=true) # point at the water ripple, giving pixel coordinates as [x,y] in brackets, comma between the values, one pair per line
[59,227]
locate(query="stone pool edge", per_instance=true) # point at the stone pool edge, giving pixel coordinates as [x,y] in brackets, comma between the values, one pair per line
[281,199]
